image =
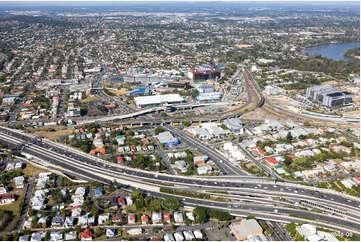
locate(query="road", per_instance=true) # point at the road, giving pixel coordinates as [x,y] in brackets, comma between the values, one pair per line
[81,165]
[225,166]
[24,210]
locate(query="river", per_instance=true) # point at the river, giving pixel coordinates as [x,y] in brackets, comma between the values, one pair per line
[332,51]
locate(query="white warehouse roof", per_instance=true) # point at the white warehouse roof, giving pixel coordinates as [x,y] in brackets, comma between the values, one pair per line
[158,99]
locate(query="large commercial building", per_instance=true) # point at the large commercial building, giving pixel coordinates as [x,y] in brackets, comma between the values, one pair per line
[183,85]
[167,139]
[328,96]
[204,73]
[139,91]
[246,228]
[209,96]
[234,124]
[204,88]
[149,101]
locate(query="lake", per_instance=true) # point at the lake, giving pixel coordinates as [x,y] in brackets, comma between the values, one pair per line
[332,51]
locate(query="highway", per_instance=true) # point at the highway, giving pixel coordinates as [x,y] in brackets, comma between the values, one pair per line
[222,162]
[80,165]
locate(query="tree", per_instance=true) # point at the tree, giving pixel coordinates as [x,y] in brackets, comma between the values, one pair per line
[139,203]
[47,236]
[171,203]
[187,123]
[201,214]
[137,194]
[289,137]
[155,205]
[288,161]
[158,130]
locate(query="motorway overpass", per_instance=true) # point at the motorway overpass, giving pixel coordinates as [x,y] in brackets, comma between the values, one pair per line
[81,165]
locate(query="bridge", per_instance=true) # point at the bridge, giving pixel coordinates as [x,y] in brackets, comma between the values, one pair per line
[76,163]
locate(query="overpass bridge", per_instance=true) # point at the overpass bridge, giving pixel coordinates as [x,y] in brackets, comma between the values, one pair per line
[83,165]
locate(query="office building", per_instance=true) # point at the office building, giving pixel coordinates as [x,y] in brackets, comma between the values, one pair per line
[328,96]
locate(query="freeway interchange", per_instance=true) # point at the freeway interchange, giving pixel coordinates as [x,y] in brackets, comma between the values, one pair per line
[264,198]
[247,195]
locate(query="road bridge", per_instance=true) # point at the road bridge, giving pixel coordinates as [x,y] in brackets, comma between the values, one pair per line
[78,164]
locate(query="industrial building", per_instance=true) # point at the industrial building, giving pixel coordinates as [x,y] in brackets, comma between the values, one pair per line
[233,150]
[328,96]
[139,91]
[182,85]
[246,228]
[209,97]
[149,101]
[205,88]
[235,125]
[167,139]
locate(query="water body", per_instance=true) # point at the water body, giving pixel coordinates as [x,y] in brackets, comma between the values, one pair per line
[332,51]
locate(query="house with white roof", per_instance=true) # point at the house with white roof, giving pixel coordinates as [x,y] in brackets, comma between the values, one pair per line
[156,218]
[178,217]
[188,235]
[56,235]
[190,216]
[178,236]
[110,233]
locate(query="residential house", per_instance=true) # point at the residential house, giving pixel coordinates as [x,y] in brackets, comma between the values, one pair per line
[72,235]
[135,231]
[178,236]
[110,233]
[178,217]
[168,237]
[58,220]
[131,218]
[156,217]
[56,235]
[190,216]
[86,234]
[144,219]
[7,198]
[103,218]
[188,235]
[69,222]
[166,217]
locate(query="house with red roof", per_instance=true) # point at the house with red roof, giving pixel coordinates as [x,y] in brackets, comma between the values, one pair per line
[7,198]
[145,219]
[166,217]
[293,157]
[117,218]
[121,201]
[86,234]
[340,167]
[131,218]
[272,161]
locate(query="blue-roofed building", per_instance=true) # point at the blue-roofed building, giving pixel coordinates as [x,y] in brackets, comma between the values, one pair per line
[167,139]
[98,192]
[139,91]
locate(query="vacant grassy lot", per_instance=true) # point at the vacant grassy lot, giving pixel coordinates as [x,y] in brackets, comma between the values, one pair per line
[54,135]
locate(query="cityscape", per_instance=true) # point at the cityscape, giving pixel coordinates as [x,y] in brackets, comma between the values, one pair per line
[179,121]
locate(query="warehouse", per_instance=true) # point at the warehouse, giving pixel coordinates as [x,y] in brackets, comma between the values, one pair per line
[209,96]
[246,228]
[234,124]
[150,101]
[167,139]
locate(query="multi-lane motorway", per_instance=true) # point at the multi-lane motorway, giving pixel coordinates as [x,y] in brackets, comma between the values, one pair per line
[248,195]
[84,166]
